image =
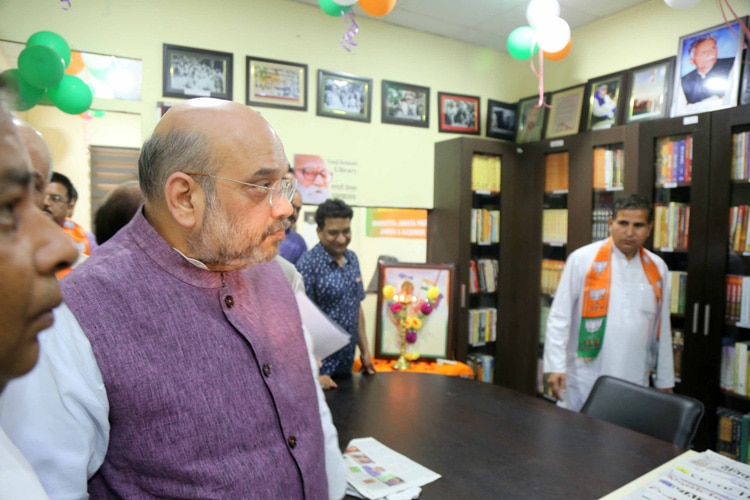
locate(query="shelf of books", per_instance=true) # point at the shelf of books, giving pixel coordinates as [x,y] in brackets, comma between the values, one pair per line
[608,180]
[484,266]
[554,240]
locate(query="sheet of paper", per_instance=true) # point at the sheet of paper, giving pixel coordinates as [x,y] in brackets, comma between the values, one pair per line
[376,471]
[328,337]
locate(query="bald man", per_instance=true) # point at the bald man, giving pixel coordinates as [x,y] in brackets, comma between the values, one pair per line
[41,159]
[191,375]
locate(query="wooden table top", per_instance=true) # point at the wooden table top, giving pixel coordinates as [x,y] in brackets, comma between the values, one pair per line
[488,441]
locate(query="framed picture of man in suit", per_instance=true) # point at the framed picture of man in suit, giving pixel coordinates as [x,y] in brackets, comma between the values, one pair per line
[707,77]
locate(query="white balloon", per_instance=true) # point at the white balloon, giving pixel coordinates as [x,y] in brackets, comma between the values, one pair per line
[345,3]
[539,10]
[682,4]
[553,34]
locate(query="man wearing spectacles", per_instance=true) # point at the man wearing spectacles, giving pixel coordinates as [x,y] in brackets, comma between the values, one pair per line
[192,377]
[313,178]
[59,201]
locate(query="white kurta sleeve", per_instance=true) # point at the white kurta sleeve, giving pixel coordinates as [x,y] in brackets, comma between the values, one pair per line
[559,323]
[335,468]
[58,414]
[665,355]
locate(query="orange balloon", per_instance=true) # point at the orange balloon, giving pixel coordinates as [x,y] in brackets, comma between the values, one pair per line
[76,63]
[377,8]
[560,54]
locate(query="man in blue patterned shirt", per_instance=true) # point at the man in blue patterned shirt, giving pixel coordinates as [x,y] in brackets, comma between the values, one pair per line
[333,281]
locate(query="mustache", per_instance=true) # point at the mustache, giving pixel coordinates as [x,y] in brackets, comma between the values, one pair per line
[282,224]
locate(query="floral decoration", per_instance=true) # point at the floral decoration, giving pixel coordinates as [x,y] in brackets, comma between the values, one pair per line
[408,312]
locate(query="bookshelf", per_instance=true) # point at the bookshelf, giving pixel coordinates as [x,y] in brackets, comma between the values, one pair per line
[476,182]
[676,155]
[727,277]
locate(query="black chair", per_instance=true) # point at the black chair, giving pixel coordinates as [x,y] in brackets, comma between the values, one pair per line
[671,417]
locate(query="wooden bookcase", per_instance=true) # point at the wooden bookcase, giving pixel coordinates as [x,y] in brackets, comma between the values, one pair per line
[449,240]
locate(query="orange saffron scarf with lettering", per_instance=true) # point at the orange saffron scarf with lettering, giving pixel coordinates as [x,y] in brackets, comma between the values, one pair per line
[595,303]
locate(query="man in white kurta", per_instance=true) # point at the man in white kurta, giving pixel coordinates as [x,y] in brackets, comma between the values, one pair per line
[631,348]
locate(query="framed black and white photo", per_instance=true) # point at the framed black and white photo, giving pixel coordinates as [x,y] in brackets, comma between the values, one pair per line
[405,104]
[649,91]
[459,113]
[604,98]
[501,119]
[190,72]
[707,75]
[276,84]
[344,96]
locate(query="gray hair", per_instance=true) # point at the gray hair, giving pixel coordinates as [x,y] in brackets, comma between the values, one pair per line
[176,151]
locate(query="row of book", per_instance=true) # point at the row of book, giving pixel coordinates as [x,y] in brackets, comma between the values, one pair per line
[671,224]
[739,220]
[551,273]
[600,223]
[609,165]
[733,434]
[556,172]
[740,159]
[485,226]
[485,173]
[482,325]
[737,299]
[555,225]
[483,275]
[674,160]
[678,290]
[483,366]
[734,367]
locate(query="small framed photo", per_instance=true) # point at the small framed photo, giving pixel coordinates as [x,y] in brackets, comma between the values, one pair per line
[565,112]
[459,113]
[344,96]
[650,91]
[416,288]
[707,75]
[604,98]
[276,84]
[405,104]
[531,117]
[501,120]
[190,72]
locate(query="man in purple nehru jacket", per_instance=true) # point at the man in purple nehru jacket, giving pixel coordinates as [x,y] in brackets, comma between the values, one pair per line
[184,371]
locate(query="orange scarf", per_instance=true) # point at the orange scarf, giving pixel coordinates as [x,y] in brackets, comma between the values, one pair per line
[595,303]
[81,240]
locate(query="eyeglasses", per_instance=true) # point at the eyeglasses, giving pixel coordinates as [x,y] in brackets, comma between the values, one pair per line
[310,173]
[285,187]
[55,198]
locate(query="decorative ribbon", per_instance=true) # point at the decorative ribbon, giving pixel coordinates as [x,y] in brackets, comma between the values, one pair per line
[540,76]
[347,39]
[742,26]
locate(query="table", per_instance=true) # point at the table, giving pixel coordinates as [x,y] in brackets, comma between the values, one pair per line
[488,441]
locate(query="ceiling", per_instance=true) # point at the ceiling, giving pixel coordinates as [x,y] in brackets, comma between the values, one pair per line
[486,23]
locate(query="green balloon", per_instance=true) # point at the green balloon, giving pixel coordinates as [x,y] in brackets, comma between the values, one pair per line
[53,41]
[72,95]
[25,95]
[40,66]
[332,8]
[522,42]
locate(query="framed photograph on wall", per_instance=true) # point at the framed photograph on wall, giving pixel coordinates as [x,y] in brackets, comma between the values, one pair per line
[276,84]
[708,67]
[414,286]
[501,120]
[405,104]
[344,96]
[459,113]
[530,119]
[650,90]
[190,72]
[604,101]
[565,112]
